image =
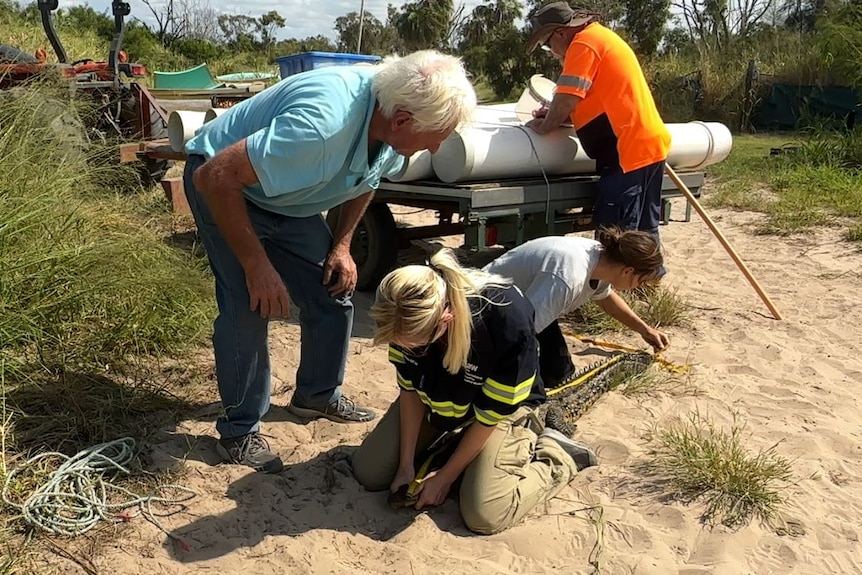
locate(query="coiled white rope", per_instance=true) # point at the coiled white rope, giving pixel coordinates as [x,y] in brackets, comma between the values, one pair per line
[75,498]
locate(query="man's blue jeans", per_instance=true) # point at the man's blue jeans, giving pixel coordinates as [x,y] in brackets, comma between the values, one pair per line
[297,248]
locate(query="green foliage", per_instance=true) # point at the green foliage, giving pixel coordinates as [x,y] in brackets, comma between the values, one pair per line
[376,38]
[85,285]
[425,24]
[806,183]
[198,50]
[644,23]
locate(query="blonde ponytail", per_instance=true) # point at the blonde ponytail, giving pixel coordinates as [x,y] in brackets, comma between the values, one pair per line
[458,286]
[411,300]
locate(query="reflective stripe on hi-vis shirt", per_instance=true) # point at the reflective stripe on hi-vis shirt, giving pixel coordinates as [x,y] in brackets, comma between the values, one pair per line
[395,356]
[575,82]
[444,408]
[405,383]
[487,416]
[508,394]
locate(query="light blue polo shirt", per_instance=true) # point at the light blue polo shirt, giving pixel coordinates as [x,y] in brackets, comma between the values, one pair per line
[307,140]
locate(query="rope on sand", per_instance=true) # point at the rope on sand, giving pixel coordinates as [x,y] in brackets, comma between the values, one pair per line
[75,497]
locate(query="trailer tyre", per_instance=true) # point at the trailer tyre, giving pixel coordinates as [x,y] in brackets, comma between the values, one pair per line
[374,246]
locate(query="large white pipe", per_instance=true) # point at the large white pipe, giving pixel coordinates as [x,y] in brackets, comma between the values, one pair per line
[695,145]
[416,167]
[214,113]
[182,125]
[482,152]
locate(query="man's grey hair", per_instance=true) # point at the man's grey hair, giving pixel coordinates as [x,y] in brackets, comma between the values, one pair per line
[431,86]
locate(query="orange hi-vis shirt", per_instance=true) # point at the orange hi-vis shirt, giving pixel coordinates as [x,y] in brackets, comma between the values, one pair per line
[616,119]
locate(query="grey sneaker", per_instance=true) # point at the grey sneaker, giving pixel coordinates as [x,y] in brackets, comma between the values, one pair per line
[584,456]
[342,411]
[251,450]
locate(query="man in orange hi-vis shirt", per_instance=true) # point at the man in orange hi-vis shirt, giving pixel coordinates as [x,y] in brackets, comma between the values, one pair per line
[602,90]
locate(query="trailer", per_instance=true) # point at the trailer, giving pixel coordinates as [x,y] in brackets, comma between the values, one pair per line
[486,213]
[505,212]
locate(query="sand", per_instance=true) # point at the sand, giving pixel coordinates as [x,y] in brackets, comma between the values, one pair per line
[793,382]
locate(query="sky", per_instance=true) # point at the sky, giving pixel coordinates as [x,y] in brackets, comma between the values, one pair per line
[304,17]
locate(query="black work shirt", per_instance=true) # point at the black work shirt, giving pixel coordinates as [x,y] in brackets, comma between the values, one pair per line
[502,366]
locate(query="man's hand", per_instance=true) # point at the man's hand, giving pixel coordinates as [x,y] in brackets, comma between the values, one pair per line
[340,262]
[539,125]
[541,112]
[432,490]
[267,291]
[658,340]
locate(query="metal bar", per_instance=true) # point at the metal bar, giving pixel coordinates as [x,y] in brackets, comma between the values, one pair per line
[433,231]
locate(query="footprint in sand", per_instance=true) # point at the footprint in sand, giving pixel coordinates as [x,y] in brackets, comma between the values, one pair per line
[774,555]
[634,536]
[610,451]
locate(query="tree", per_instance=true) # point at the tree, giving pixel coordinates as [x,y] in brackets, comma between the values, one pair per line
[428,24]
[182,19]
[246,34]
[713,23]
[267,25]
[645,22]
[376,38]
[611,11]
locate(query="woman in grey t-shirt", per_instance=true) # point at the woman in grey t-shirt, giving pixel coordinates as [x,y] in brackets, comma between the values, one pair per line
[560,274]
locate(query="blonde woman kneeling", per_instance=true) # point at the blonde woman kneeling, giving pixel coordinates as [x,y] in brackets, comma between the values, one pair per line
[464,347]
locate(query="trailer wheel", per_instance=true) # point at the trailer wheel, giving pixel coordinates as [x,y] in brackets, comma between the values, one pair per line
[374,247]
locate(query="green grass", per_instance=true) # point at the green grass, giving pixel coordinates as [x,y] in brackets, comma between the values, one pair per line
[97,309]
[659,307]
[814,182]
[693,460]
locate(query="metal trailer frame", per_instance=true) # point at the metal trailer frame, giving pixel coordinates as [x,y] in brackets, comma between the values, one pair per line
[506,212]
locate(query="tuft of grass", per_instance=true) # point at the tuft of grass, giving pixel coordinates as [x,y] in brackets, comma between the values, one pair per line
[658,306]
[654,381]
[854,234]
[662,307]
[698,461]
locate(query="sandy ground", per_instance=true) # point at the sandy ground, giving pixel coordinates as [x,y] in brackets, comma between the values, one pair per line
[793,381]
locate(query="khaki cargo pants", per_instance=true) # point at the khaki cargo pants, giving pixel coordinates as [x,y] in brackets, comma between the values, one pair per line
[514,473]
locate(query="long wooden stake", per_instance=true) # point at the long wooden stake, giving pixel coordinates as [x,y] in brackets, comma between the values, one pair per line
[731,252]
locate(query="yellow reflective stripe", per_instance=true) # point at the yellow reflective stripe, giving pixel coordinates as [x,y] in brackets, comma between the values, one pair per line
[487,416]
[444,408]
[395,355]
[506,393]
[403,382]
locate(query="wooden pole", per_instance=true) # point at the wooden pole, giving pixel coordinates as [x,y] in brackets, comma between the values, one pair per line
[730,251]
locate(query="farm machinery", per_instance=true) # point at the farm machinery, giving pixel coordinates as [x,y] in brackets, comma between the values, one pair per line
[124,110]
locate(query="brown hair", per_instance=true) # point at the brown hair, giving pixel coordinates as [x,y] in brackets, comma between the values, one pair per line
[632,248]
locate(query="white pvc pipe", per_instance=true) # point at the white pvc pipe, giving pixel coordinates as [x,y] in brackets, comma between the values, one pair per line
[214,113]
[416,167]
[485,152]
[495,114]
[695,145]
[182,125]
